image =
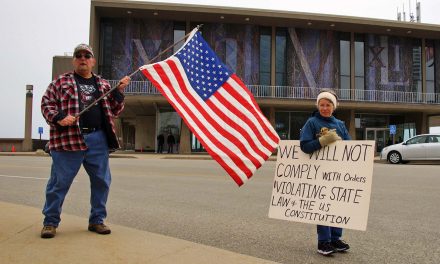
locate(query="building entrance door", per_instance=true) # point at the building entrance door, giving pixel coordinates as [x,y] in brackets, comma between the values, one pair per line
[380,135]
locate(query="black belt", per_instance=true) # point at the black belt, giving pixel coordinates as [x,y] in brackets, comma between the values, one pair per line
[88,130]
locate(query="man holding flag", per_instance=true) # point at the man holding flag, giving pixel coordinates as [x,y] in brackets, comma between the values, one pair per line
[78,141]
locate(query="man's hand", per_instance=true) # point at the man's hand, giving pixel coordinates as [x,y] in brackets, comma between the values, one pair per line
[328,138]
[124,82]
[67,121]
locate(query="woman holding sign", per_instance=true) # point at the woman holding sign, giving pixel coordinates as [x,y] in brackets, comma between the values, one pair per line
[321,130]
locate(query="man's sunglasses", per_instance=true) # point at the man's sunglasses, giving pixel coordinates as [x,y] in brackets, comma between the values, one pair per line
[87,56]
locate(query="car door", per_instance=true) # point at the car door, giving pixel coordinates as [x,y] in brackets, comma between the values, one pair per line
[433,147]
[414,148]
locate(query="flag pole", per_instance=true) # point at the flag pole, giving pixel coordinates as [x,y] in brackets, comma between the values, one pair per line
[133,73]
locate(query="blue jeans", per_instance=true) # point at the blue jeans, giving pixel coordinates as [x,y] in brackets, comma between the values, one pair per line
[65,166]
[328,233]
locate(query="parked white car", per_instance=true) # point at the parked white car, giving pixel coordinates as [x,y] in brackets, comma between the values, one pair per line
[421,147]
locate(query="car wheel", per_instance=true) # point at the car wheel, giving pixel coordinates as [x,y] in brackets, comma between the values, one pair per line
[394,157]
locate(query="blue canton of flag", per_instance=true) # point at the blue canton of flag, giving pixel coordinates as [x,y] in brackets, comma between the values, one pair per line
[204,70]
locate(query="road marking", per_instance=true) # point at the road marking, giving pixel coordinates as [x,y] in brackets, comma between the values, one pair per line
[26,177]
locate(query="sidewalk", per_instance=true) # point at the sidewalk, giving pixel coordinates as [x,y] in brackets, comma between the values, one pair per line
[20,242]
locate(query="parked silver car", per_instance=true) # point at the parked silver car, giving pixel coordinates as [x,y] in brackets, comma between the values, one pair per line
[421,147]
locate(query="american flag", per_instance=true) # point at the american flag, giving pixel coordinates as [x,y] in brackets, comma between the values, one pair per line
[217,107]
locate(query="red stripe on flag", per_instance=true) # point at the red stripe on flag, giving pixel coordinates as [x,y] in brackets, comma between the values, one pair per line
[233,123]
[245,119]
[254,109]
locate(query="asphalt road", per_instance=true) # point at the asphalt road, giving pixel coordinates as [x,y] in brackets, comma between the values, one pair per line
[194,200]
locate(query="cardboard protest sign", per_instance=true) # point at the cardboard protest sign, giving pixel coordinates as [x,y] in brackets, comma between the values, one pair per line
[330,187]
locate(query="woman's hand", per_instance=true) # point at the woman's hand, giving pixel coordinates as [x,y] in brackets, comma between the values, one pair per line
[328,138]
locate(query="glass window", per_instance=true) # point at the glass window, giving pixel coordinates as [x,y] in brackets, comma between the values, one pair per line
[344,46]
[105,57]
[179,33]
[280,57]
[359,58]
[417,140]
[369,121]
[416,67]
[359,82]
[344,49]
[345,86]
[344,65]
[231,53]
[265,51]
[430,68]
[434,139]
[196,145]
[297,121]
[169,124]
[409,130]
[282,124]
[288,124]
[359,61]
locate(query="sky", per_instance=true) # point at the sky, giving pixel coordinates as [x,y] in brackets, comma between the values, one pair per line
[35,31]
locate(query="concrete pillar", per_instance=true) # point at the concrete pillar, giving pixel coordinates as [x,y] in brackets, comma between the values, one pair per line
[272,116]
[185,140]
[351,125]
[145,133]
[420,120]
[433,121]
[349,118]
[272,121]
[119,132]
[424,124]
[27,142]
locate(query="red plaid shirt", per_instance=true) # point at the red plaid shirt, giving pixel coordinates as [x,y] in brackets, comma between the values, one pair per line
[61,99]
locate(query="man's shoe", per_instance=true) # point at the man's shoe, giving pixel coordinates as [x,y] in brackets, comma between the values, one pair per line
[48,231]
[340,245]
[100,229]
[325,248]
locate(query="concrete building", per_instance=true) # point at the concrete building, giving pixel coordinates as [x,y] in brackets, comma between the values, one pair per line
[385,72]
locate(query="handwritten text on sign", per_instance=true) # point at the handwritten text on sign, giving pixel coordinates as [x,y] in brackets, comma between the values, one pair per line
[330,187]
